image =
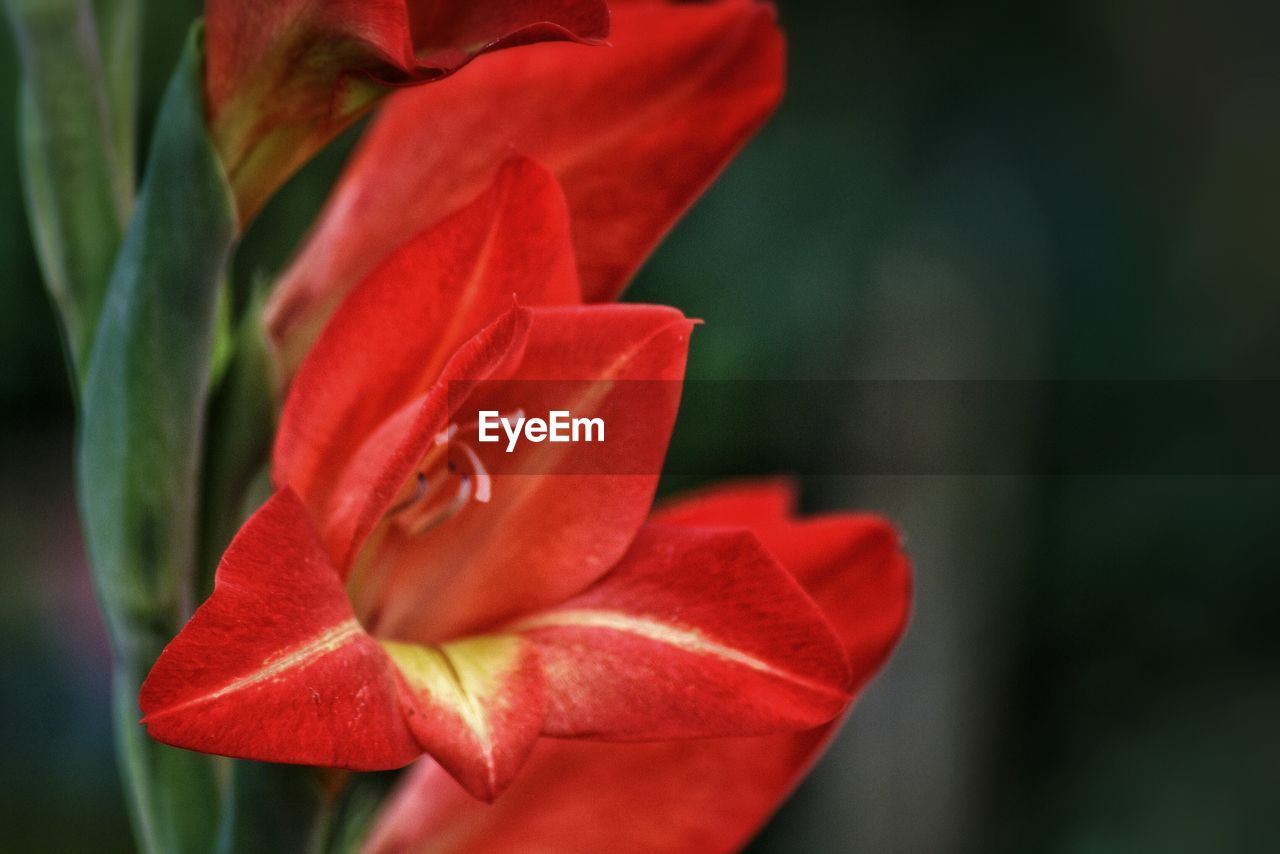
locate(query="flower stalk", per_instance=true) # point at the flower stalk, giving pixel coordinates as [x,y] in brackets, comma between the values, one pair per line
[77,153]
[120,37]
[141,439]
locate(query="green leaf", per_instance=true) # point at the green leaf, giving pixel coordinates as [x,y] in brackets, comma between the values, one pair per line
[241,426]
[274,808]
[141,442]
[355,813]
[174,796]
[77,197]
[120,37]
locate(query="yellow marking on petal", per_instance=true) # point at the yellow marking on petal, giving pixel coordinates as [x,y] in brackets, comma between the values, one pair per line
[463,676]
[686,640]
[328,641]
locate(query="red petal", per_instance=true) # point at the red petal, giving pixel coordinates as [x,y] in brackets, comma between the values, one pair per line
[476,705]
[543,536]
[708,795]
[851,564]
[389,342]
[635,132]
[366,487]
[274,666]
[448,33]
[689,607]
[452,278]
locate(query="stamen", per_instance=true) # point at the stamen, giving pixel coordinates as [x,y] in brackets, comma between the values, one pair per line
[443,437]
[419,490]
[420,510]
[420,519]
[459,500]
[484,483]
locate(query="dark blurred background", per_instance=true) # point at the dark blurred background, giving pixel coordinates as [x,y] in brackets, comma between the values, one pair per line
[953,190]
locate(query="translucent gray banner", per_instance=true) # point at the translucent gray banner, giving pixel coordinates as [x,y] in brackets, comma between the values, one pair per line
[899,427]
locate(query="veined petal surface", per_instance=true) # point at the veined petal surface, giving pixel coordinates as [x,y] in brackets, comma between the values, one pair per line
[696,632]
[274,666]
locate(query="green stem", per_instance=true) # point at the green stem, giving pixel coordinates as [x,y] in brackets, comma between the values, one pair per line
[276,808]
[141,443]
[241,424]
[120,37]
[173,795]
[77,196]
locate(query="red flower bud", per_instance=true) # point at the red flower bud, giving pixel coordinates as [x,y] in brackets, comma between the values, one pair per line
[283,77]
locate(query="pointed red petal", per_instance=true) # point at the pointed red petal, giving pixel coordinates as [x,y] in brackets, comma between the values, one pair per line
[438,288]
[695,633]
[634,132]
[544,536]
[851,564]
[388,344]
[712,795]
[364,488]
[709,795]
[274,666]
[391,337]
[477,705]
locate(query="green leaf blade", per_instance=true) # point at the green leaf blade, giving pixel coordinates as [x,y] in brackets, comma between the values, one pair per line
[141,443]
[77,196]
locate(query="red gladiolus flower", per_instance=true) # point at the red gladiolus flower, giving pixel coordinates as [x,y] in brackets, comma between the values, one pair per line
[634,131]
[710,795]
[285,76]
[378,607]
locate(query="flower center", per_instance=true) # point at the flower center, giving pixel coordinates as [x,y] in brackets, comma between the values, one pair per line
[449,478]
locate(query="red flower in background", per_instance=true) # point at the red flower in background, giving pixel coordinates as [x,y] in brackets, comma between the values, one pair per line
[634,132]
[378,608]
[284,77]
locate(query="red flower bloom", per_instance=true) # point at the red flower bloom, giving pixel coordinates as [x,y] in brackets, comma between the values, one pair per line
[634,131]
[710,795]
[285,76]
[378,608]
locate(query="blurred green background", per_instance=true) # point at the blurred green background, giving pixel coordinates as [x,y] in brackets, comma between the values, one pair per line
[953,190]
